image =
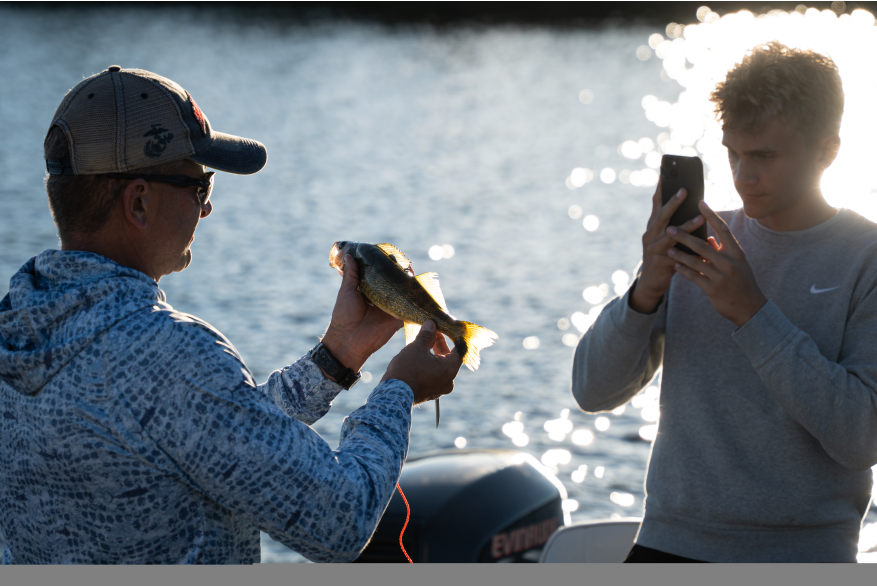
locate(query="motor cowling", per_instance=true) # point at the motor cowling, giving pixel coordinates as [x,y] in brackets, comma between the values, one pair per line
[470,506]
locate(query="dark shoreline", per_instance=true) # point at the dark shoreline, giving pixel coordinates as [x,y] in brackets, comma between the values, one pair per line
[441,14]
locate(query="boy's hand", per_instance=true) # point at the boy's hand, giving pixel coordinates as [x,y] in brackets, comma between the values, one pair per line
[657,268]
[721,270]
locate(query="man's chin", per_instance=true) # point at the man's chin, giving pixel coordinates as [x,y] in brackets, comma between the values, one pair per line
[185,261]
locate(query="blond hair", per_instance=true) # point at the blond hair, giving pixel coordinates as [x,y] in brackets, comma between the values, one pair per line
[801,87]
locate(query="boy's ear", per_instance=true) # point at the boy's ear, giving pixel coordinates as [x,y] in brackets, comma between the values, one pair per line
[829,147]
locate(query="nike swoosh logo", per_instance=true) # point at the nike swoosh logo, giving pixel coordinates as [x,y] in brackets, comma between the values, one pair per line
[813,289]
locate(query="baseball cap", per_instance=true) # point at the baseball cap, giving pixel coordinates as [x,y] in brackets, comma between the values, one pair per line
[120,120]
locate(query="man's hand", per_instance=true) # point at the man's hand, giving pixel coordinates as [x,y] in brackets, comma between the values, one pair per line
[721,271]
[658,269]
[356,329]
[429,375]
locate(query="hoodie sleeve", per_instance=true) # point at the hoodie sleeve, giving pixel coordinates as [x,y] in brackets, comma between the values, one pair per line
[301,390]
[216,433]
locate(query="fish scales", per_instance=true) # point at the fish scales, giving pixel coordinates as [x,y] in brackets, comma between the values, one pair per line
[398,296]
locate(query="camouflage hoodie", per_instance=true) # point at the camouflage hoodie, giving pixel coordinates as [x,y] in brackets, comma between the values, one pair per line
[133,433]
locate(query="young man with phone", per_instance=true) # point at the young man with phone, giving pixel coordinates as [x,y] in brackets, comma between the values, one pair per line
[767,335]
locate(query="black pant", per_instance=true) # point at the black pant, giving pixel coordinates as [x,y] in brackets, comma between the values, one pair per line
[644,554]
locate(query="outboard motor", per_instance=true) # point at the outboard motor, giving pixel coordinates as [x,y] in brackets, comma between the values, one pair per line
[470,506]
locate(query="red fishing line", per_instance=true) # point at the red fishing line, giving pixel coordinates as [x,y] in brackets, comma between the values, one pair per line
[407,515]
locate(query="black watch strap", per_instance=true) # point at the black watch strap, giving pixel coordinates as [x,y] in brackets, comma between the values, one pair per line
[342,375]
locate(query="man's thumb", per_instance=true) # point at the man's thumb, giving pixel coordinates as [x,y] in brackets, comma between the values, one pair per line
[349,277]
[426,336]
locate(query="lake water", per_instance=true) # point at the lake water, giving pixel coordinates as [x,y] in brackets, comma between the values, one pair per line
[414,136]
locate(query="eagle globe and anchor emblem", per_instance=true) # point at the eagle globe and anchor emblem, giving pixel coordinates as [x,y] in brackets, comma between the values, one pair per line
[159,139]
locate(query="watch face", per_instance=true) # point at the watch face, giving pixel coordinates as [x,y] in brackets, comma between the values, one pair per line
[343,376]
[326,362]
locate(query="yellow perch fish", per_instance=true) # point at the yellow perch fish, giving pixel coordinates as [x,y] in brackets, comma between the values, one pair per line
[387,280]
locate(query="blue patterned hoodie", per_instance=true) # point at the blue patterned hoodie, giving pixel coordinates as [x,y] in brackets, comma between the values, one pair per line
[133,433]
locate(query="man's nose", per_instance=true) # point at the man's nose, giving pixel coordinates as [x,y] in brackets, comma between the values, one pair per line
[206,209]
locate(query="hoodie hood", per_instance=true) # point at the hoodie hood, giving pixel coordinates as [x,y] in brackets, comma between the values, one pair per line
[58,303]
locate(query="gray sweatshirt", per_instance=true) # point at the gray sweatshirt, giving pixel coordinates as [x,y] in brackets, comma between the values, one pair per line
[767,431]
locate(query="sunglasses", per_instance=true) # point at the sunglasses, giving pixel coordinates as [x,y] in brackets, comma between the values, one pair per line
[203,183]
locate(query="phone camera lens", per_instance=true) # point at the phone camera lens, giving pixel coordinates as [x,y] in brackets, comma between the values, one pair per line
[674,173]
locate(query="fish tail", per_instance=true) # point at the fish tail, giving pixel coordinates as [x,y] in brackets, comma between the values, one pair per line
[471,341]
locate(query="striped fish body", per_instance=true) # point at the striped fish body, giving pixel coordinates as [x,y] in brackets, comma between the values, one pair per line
[387,280]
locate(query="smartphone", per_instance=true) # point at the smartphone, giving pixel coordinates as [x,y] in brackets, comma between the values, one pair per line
[683,172]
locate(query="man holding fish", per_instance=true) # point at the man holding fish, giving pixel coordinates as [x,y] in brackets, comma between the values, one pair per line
[767,335]
[134,433]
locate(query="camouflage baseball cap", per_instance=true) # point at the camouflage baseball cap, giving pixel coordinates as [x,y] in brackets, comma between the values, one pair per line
[124,119]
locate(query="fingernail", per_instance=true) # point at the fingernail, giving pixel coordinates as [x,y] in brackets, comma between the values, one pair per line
[671,252]
[672,230]
[429,326]
[698,219]
[679,194]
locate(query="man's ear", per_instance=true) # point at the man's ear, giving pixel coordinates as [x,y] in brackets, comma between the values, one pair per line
[137,203]
[829,147]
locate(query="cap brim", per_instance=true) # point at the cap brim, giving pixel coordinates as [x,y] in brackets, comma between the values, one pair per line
[232,154]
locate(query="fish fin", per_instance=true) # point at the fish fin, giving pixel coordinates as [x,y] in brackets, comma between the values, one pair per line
[430,283]
[411,332]
[396,256]
[473,340]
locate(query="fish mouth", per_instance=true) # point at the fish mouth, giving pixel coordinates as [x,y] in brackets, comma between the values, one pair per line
[336,256]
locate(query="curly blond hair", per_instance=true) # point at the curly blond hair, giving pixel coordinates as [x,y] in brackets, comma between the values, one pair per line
[801,87]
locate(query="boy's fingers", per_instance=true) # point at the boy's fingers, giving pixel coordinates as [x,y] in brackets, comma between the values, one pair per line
[720,226]
[669,208]
[692,242]
[692,275]
[694,262]
[665,241]
[713,242]
[690,225]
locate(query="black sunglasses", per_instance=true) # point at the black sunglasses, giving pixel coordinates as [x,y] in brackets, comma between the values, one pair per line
[203,183]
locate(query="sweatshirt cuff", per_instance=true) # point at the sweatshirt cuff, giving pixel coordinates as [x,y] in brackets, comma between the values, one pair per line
[765,334]
[630,322]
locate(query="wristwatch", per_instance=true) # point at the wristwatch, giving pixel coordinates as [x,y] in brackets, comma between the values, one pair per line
[342,375]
